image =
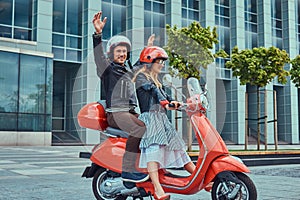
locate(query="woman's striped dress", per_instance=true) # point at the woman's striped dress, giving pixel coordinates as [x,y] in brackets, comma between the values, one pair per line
[161,142]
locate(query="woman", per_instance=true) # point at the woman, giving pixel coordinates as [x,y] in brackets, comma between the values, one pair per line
[161,146]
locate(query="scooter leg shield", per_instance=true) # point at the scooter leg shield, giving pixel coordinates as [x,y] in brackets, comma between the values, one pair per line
[224,163]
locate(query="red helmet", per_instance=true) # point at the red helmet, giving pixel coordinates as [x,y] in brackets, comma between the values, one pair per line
[151,53]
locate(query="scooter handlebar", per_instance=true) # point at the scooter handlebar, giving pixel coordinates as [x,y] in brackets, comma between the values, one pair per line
[171,105]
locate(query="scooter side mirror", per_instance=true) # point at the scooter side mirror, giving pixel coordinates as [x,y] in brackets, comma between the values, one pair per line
[167,80]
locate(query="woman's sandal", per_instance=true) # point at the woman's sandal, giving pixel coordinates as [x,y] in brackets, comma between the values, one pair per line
[165,197]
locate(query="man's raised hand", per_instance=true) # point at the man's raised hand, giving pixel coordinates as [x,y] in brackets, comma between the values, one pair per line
[98,24]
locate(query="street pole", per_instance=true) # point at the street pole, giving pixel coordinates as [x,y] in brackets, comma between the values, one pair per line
[246,121]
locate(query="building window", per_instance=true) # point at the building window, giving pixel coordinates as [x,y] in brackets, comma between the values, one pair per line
[222,21]
[9,82]
[59,99]
[67,30]
[27,101]
[298,26]
[189,12]
[276,14]
[250,24]
[155,21]
[16,17]
[115,11]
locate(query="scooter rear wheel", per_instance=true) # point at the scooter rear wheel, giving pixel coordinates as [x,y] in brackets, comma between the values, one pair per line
[99,177]
[222,188]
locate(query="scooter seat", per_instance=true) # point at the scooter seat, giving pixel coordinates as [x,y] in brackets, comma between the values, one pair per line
[116,132]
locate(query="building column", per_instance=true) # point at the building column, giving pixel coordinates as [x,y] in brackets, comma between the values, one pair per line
[291,96]
[87,73]
[173,17]
[238,39]
[264,35]
[135,27]
[44,26]
[264,23]
[207,13]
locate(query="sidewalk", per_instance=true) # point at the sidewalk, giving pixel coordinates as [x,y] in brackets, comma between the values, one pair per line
[54,173]
[280,147]
[271,148]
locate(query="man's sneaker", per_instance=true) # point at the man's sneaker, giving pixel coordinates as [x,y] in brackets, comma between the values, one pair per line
[134,177]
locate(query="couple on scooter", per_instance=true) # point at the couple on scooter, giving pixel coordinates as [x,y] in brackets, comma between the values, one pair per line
[160,144]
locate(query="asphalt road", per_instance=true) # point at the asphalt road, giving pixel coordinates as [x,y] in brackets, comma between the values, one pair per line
[38,173]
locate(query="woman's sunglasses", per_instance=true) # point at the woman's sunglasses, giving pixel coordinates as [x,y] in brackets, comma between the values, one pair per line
[161,62]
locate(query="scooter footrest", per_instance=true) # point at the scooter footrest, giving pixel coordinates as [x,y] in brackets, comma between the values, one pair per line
[129,185]
[169,174]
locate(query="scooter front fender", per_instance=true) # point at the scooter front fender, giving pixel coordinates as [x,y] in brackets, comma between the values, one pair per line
[224,163]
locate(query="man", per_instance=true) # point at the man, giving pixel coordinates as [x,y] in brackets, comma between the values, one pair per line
[120,95]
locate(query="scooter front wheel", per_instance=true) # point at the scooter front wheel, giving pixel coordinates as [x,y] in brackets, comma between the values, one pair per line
[227,189]
[99,177]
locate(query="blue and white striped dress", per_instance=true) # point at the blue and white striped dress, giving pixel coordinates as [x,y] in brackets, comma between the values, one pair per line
[161,142]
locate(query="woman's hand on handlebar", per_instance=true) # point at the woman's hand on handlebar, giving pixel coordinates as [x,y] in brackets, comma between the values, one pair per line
[174,105]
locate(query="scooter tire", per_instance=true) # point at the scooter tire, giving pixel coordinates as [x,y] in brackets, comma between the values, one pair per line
[247,184]
[95,185]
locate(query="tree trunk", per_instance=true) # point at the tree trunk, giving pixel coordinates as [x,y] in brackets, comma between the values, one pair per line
[266,121]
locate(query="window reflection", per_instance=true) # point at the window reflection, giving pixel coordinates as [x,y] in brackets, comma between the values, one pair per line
[23,13]
[119,19]
[251,24]
[298,32]
[73,55]
[5,31]
[155,19]
[58,40]
[49,86]
[32,91]
[74,42]
[22,34]
[6,12]
[25,92]
[16,17]
[277,23]
[74,15]
[8,122]
[8,82]
[30,122]
[67,30]
[107,13]
[120,2]
[115,11]
[58,16]
[58,53]
[222,20]
[189,11]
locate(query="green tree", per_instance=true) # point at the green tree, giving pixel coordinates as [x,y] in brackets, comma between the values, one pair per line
[258,67]
[189,49]
[295,71]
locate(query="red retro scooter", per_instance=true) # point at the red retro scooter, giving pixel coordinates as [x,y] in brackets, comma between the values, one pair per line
[214,165]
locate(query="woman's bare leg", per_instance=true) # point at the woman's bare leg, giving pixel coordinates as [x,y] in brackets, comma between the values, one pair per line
[153,173]
[190,167]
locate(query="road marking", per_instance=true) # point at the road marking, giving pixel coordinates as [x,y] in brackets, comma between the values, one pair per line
[30,172]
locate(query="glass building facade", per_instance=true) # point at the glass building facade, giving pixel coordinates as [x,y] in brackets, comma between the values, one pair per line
[47,72]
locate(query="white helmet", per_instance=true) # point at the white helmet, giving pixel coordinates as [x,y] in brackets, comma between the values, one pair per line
[117,41]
